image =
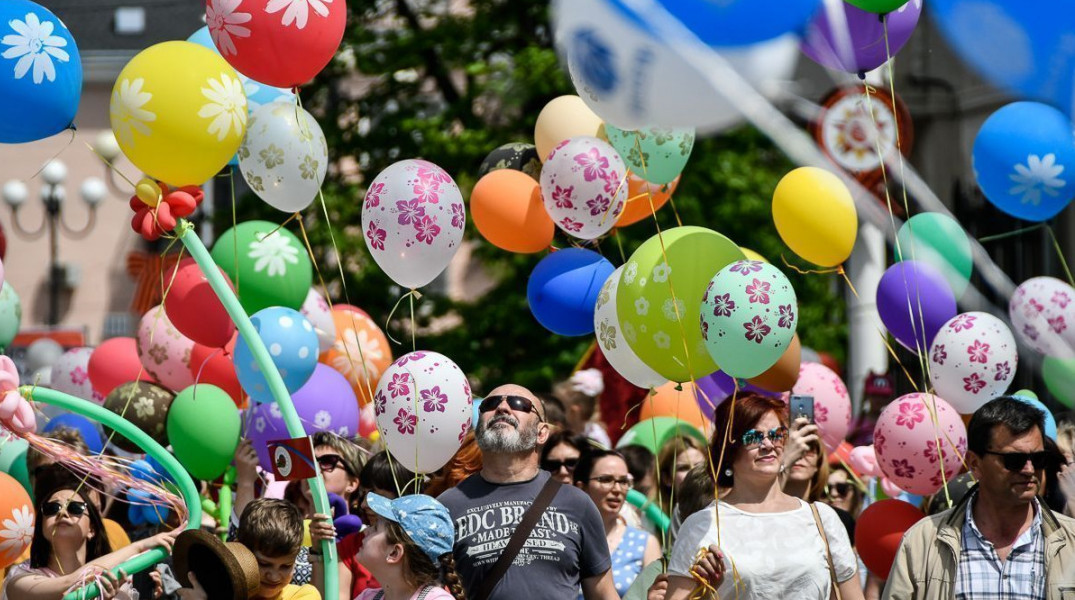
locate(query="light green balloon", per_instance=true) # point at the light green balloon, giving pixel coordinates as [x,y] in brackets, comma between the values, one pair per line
[654,154]
[267,264]
[1059,376]
[10,315]
[940,241]
[203,427]
[13,461]
[671,346]
[749,315]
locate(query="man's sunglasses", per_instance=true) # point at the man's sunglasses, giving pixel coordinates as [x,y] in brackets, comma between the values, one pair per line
[776,435]
[1015,461]
[330,462]
[73,508]
[554,466]
[517,403]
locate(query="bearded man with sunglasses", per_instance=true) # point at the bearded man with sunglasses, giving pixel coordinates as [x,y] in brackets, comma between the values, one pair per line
[1000,541]
[566,547]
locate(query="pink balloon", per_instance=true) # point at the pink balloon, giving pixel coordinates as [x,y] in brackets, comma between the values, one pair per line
[832,403]
[864,460]
[71,375]
[972,360]
[1042,311]
[891,489]
[583,186]
[164,352]
[909,433]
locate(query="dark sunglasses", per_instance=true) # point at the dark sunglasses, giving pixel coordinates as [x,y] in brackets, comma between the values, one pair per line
[329,463]
[839,490]
[73,508]
[1015,461]
[517,403]
[776,435]
[555,465]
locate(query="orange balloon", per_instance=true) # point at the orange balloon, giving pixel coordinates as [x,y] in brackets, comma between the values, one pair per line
[508,211]
[360,353]
[782,376]
[639,192]
[667,401]
[17,517]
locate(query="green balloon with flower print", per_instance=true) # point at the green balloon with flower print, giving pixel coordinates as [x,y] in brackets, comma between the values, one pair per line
[664,332]
[654,154]
[749,315]
[267,264]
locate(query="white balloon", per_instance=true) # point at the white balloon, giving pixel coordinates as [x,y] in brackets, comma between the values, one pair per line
[317,312]
[413,218]
[71,375]
[584,186]
[610,339]
[423,408]
[42,354]
[1042,311]
[972,360]
[284,156]
[632,80]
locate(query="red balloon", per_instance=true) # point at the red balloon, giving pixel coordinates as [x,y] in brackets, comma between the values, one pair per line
[214,366]
[115,362]
[282,43]
[194,308]
[879,530]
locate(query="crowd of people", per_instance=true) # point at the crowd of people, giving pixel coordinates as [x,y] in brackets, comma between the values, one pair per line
[535,505]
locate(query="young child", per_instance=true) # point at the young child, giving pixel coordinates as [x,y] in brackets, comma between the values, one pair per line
[272,530]
[409,550]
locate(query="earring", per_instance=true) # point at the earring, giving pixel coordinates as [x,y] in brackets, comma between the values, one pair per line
[728,472]
[782,467]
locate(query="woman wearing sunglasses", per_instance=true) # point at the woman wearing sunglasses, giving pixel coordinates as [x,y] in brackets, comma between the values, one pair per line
[773,545]
[70,546]
[561,453]
[842,492]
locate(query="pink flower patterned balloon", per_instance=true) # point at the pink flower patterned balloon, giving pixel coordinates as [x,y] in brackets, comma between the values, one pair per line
[163,351]
[413,219]
[71,375]
[972,360]
[584,186]
[423,408]
[913,434]
[1042,311]
[832,403]
[316,310]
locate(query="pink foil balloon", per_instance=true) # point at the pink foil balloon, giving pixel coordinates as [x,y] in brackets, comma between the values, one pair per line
[832,403]
[164,352]
[909,433]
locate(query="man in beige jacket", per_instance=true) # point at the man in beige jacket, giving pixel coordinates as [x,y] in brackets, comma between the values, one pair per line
[1000,541]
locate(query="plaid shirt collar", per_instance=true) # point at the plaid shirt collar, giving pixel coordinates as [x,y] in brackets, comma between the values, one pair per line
[982,576]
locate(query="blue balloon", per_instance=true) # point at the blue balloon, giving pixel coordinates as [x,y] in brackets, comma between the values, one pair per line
[731,22]
[1050,422]
[1021,46]
[293,347]
[91,435]
[563,290]
[1024,160]
[40,73]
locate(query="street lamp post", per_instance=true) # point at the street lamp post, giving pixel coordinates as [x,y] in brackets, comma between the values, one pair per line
[15,193]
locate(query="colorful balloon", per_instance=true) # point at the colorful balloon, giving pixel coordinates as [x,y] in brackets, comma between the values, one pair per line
[423,408]
[563,118]
[655,154]
[16,520]
[319,314]
[1059,377]
[361,352]
[508,211]
[782,376]
[718,386]
[879,530]
[284,156]
[848,38]
[214,366]
[663,332]
[114,363]
[914,302]
[413,218]
[13,461]
[146,406]
[880,7]
[71,375]
[584,186]
[257,94]
[610,338]
[832,403]
[292,345]
[939,241]
[563,290]
[87,429]
[41,83]
[514,156]
[163,351]
[10,315]
[815,215]
[654,433]
[972,360]
[1042,311]
[194,309]
[913,435]
[270,262]
[749,316]
[203,427]
[681,404]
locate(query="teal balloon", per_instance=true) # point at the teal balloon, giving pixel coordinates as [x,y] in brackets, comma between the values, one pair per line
[13,461]
[652,434]
[941,242]
[10,315]
[1032,399]
[654,154]
[749,315]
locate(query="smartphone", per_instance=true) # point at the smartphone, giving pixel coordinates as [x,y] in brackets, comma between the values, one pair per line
[802,406]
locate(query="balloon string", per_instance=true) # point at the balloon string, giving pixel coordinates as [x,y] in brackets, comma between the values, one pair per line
[413,293]
[843,273]
[1060,254]
[58,152]
[110,166]
[414,327]
[1002,236]
[619,243]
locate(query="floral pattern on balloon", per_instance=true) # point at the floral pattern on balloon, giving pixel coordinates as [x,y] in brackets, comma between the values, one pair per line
[413,218]
[423,410]
[656,154]
[610,338]
[316,310]
[972,360]
[1042,311]
[284,156]
[164,351]
[832,402]
[71,375]
[583,184]
[914,435]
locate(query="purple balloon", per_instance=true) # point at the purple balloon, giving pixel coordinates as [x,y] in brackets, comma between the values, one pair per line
[717,387]
[847,38]
[914,301]
[325,402]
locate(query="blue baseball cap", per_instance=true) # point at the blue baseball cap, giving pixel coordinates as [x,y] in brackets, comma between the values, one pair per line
[426,521]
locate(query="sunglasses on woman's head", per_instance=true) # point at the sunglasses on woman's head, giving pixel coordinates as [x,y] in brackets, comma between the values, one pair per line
[72,507]
[776,435]
[518,403]
[555,465]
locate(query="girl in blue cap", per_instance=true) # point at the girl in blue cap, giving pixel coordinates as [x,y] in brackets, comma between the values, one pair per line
[408,549]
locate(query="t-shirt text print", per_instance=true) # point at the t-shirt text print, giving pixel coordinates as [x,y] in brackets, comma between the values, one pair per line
[488,528]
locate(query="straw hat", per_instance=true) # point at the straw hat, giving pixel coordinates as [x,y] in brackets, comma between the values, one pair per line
[225,571]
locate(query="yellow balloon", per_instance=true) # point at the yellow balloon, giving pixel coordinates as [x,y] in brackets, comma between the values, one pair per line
[562,118]
[179,112]
[752,255]
[815,216]
[148,192]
